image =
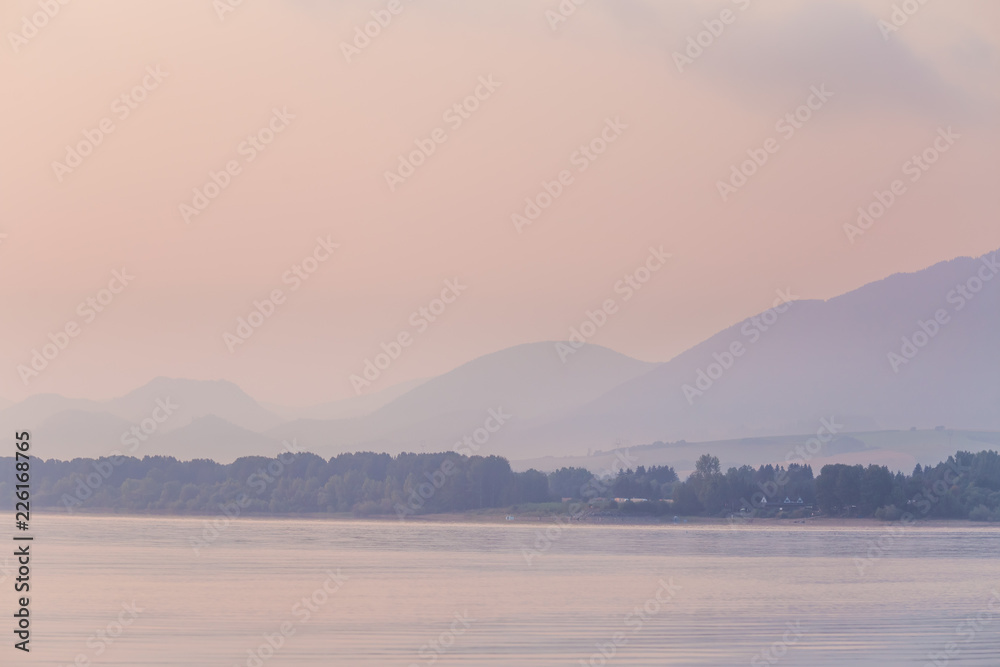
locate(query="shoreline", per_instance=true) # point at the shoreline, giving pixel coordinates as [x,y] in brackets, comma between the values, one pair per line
[500,517]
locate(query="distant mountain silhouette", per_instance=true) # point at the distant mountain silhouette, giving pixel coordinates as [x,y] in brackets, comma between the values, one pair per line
[913,350]
[819,358]
[356,406]
[66,427]
[530,382]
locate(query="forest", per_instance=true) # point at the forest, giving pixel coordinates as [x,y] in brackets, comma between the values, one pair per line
[966,486]
[364,484]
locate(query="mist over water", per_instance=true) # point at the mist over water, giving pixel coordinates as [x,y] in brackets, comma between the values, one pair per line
[413,593]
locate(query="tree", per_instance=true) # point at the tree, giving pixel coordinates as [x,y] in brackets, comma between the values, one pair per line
[686,499]
[708,483]
[707,466]
[875,489]
[569,482]
[531,486]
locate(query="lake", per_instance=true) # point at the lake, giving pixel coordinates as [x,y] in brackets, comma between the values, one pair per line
[133,591]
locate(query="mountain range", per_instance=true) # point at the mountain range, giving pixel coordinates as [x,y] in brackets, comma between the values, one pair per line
[912,351]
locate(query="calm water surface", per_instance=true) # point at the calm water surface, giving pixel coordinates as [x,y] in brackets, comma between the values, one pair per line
[465,594]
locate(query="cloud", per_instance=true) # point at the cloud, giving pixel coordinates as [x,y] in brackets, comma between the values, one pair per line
[839,45]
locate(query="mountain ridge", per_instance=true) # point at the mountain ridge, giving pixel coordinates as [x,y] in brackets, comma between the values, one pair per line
[773,374]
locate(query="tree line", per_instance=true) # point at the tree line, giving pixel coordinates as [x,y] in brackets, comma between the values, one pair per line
[966,486]
[366,483]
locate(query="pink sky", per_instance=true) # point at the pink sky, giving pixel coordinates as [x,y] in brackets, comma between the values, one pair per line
[324,175]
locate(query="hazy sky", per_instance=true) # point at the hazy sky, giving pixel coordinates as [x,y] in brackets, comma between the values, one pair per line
[669,137]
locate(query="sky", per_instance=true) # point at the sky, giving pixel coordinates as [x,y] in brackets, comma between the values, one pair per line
[628,123]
